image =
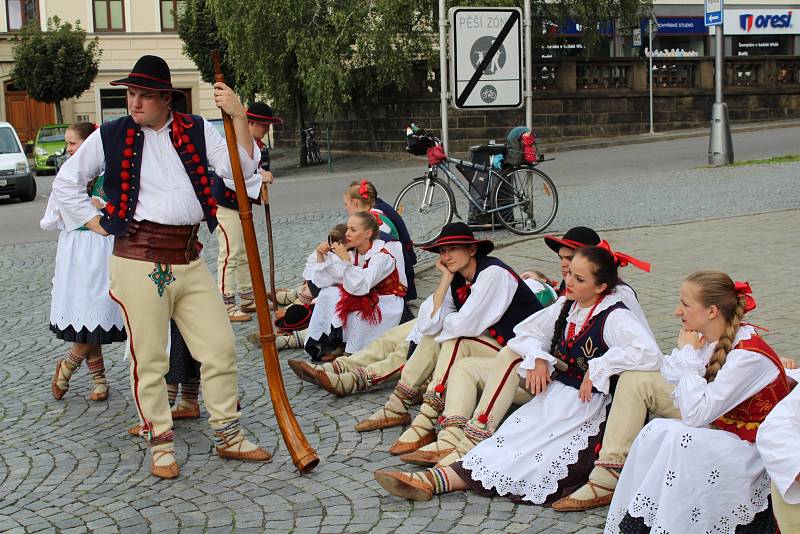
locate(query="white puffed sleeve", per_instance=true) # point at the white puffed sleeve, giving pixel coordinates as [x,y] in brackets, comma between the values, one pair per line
[778,442]
[359,280]
[69,185]
[532,337]
[327,273]
[744,374]
[489,298]
[685,361]
[429,323]
[631,347]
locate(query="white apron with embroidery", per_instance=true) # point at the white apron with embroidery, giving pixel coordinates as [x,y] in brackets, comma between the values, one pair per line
[682,479]
[533,449]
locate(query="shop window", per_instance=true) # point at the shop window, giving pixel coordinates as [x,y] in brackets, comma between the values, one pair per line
[171,11]
[109,15]
[21,12]
[762,45]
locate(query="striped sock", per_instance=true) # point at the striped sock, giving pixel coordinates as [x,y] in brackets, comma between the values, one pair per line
[97,369]
[223,437]
[439,479]
[172,393]
[190,389]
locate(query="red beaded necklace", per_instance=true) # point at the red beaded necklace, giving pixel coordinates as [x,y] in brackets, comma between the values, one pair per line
[571,336]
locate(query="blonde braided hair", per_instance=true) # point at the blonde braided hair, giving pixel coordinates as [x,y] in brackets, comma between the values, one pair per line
[715,288]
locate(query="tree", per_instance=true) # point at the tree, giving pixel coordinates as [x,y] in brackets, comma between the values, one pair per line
[56,64]
[323,54]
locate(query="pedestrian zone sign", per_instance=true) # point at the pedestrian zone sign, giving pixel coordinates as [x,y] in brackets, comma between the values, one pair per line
[486,52]
[713,12]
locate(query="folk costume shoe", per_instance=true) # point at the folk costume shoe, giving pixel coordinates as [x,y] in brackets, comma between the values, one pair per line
[230,443]
[98,372]
[163,463]
[342,384]
[65,367]
[446,440]
[598,491]
[421,486]
[247,303]
[304,370]
[235,315]
[189,406]
[393,413]
[421,432]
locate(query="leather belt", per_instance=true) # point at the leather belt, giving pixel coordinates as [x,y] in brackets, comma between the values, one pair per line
[160,243]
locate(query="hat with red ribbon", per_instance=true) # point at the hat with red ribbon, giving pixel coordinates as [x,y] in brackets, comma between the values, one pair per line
[623,259]
[262,113]
[150,73]
[458,233]
[743,290]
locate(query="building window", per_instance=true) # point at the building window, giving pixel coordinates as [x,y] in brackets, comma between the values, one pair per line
[170,13]
[109,15]
[21,12]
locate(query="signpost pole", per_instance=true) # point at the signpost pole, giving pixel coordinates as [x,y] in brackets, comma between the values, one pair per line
[650,75]
[720,142]
[527,50]
[443,72]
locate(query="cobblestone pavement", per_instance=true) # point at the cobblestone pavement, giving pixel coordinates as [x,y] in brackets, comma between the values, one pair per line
[69,466]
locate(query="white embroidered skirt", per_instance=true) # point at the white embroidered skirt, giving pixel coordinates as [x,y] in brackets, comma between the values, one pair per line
[532,450]
[80,301]
[358,333]
[684,479]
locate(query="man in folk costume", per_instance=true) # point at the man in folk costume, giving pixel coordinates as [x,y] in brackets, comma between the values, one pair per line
[472,313]
[159,190]
[481,391]
[233,273]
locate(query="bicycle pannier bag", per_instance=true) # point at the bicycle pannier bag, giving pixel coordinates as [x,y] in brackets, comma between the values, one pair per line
[521,147]
[418,144]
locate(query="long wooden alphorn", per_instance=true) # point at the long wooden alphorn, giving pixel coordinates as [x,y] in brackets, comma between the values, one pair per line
[303,456]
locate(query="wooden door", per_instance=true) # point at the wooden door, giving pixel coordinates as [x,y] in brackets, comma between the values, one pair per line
[25,114]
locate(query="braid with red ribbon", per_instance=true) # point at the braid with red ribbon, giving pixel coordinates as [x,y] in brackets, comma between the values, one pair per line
[743,289]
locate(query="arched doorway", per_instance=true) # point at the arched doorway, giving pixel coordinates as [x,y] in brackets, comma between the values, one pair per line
[25,114]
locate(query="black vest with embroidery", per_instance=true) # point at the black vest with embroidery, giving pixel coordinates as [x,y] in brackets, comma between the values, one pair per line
[225,196]
[574,356]
[523,304]
[123,143]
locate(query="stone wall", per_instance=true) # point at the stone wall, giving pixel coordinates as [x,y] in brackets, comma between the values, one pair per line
[575,100]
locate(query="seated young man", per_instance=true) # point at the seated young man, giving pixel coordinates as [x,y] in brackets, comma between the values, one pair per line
[482,391]
[471,314]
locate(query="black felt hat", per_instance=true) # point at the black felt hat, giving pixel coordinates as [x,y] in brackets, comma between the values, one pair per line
[262,113]
[151,73]
[297,317]
[459,233]
[579,236]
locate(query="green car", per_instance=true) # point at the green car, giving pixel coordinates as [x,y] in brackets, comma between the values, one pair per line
[49,141]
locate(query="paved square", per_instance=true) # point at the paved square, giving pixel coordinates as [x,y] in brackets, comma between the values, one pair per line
[69,466]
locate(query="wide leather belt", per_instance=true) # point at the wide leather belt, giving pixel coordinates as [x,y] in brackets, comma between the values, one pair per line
[160,243]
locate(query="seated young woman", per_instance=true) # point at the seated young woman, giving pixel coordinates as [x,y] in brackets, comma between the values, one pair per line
[703,473]
[570,352]
[362,285]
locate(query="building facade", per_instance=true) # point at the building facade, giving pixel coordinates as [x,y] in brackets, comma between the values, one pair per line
[126,29]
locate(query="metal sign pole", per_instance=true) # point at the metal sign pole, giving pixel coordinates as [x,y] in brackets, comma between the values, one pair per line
[527,50]
[650,77]
[720,142]
[443,72]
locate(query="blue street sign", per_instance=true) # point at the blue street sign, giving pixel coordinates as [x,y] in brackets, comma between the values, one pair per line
[713,12]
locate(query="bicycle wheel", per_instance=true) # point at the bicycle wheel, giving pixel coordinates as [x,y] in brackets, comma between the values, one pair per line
[316,157]
[536,198]
[425,208]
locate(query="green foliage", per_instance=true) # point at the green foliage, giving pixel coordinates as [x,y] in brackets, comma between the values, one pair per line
[56,64]
[323,54]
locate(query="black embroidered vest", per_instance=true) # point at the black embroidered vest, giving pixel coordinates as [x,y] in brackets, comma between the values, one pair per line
[523,304]
[574,356]
[123,143]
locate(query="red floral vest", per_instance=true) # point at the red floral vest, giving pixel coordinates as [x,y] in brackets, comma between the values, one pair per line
[367,305]
[744,419]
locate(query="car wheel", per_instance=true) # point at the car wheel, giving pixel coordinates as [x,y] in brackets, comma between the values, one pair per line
[31,193]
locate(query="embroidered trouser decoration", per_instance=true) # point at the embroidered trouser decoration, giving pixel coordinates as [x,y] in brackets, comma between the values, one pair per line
[162,277]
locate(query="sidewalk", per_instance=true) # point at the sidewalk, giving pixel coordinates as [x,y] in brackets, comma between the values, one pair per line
[69,466]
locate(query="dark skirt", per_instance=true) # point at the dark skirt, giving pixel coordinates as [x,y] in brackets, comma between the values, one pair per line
[98,336]
[182,367]
[577,474]
[327,343]
[763,523]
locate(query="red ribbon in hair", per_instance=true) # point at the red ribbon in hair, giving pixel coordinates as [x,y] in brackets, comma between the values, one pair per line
[623,259]
[363,190]
[743,290]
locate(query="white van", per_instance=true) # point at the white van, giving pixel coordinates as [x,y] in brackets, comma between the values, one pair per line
[16,178]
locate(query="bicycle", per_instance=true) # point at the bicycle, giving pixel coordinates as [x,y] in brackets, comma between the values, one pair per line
[309,149]
[523,197]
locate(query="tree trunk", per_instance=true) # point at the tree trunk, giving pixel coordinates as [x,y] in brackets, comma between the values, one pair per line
[59,114]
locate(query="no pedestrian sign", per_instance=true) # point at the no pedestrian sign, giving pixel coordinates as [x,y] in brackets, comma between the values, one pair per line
[486,51]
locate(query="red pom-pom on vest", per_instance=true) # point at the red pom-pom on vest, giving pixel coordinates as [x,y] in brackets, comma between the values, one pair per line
[126,164]
[125,186]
